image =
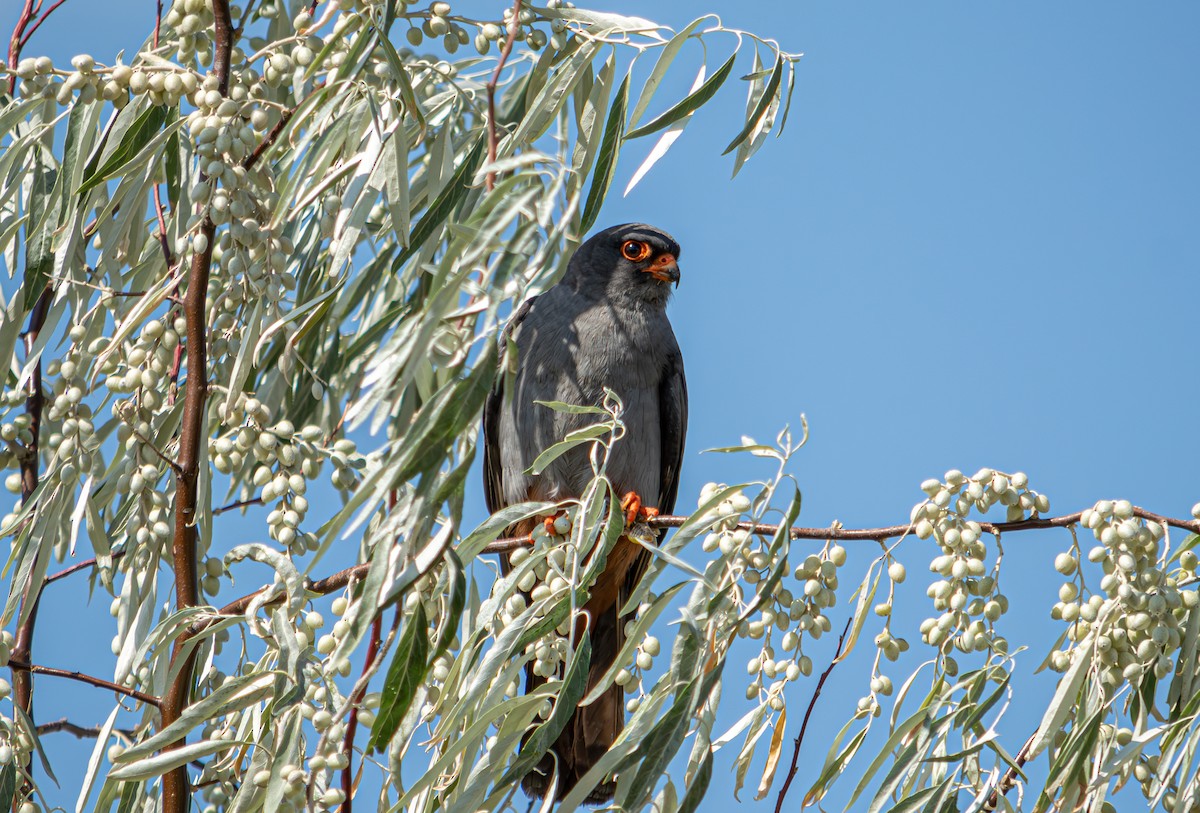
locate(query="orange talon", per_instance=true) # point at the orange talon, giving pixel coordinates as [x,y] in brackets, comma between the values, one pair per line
[631,504]
[548,523]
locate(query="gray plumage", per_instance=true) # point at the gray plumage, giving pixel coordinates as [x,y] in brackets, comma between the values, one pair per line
[603,325]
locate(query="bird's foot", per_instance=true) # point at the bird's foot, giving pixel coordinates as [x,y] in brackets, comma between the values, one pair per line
[557,524]
[631,504]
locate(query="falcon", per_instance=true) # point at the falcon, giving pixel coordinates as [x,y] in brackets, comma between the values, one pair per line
[604,324]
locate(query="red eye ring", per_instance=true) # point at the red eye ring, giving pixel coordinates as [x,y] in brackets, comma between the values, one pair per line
[635,250]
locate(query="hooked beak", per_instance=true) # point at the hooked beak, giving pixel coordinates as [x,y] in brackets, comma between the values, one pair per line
[665,268]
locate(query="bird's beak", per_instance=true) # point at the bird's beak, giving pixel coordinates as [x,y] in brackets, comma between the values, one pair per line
[665,268]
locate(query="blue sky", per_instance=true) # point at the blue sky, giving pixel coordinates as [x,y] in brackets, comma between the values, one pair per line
[975,245]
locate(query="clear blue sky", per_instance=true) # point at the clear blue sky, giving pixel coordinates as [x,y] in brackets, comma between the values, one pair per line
[976,244]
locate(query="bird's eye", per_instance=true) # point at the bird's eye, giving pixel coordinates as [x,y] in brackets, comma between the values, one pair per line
[635,250]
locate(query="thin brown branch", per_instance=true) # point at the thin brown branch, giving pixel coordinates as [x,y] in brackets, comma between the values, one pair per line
[1009,780]
[40,20]
[157,29]
[352,723]
[235,505]
[15,42]
[176,791]
[75,568]
[514,25]
[510,544]
[21,665]
[149,444]
[30,463]
[812,703]
[162,219]
[322,587]
[268,140]
[82,732]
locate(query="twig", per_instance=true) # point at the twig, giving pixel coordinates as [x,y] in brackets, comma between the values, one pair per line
[269,139]
[514,25]
[21,665]
[807,714]
[40,20]
[75,568]
[176,793]
[877,534]
[82,732]
[171,464]
[1009,780]
[14,45]
[235,505]
[352,723]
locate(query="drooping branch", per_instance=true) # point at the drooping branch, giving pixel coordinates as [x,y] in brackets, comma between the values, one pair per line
[514,25]
[20,665]
[510,544]
[812,703]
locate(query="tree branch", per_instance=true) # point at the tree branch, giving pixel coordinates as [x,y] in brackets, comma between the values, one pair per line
[812,703]
[175,787]
[82,732]
[15,42]
[30,465]
[510,544]
[514,25]
[20,665]
[268,140]
[1009,780]
[40,20]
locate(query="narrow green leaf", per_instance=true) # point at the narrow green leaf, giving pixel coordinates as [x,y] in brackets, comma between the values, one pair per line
[452,194]
[458,601]
[140,133]
[764,101]
[405,675]
[1064,698]
[665,57]
[574,685]
[606,160]
[689,104]
[573,439]
[698,787]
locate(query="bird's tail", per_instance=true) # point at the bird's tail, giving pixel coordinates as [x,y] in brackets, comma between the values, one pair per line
[592,729]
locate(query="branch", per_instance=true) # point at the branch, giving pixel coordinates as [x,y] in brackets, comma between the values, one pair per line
[510,544]
[235,505]
[20,665]
[175,787]
[30,462]
[40,20]
[269,139]
[514,25]
[808,713]
[1009,780]
[15,42]
[355,699]
[82,732]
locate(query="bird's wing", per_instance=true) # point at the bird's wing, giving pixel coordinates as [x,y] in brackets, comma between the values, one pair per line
[493,470]
[672,415]
[493,467]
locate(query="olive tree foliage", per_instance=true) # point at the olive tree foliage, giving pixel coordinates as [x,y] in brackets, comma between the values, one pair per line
[267,257]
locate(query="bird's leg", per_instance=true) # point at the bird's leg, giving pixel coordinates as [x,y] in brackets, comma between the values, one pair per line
[631,504]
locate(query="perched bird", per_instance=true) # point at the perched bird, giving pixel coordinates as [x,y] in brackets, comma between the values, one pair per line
[603,325]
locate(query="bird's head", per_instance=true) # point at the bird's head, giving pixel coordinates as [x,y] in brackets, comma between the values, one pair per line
[631,260]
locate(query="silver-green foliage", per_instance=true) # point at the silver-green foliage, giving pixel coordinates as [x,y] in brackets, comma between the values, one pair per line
[362,268]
